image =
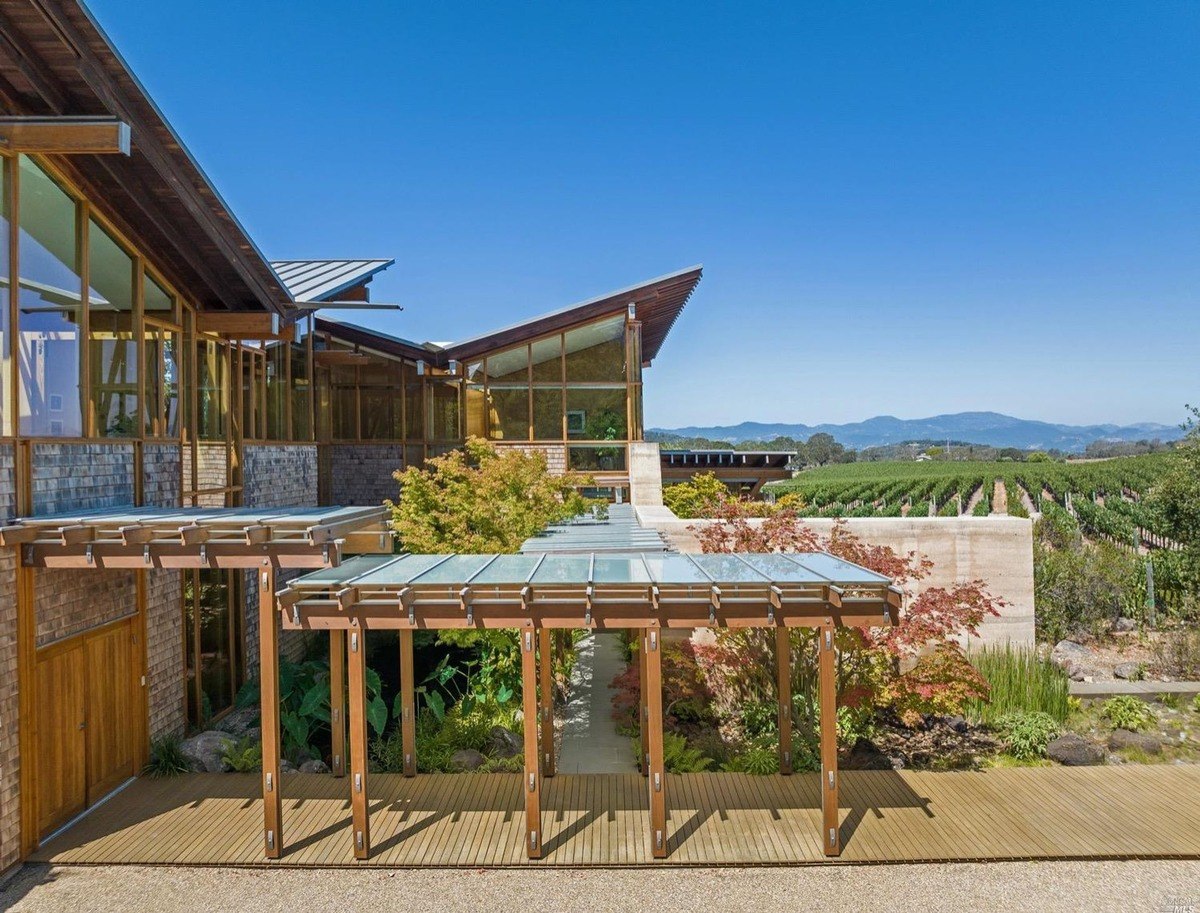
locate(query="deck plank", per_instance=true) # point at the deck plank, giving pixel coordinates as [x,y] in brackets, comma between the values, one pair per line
[476,820]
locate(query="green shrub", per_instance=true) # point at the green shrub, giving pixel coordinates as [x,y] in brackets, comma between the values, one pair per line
[681,758]
[166,758]
[244,755]
[759,759]
[1026,733]
[1196,704]
[1020,683]
[1126,712]
[437,739]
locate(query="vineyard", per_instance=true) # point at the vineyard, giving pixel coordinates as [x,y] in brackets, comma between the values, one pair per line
[1105,497]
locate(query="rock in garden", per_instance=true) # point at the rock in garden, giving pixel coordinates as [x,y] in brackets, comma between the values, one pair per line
[467,759]
[1129,671]
[957,723]
[1124,626]
[286,766]
[314,766]
[1142,741]
[504,744]
[865,755]
[1072,750]
[239,723]
[205,751]
[1067,653]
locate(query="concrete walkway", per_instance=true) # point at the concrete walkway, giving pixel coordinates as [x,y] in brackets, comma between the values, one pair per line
[590,741]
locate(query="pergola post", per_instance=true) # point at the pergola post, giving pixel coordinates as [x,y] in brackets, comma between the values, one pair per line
[827,655]
[652,689]
[408,704]
[268,676]
[546,700]
[532,782]
[783,674]
[358,744]
[643,709]
[337,700]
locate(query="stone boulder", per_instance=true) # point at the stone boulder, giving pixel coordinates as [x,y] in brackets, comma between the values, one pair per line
[239,723]
[205,751]
[504,744]
[1072,750]
[865,755]
[314,767]
[1071,657]
[1142,741]
[1131,672]
[1124,626]
[467,759]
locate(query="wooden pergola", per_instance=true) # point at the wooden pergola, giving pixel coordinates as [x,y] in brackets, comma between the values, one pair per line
[538,594]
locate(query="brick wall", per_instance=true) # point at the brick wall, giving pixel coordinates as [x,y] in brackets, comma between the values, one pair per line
[10,783]
[361,474]
[275,475]
[59,484]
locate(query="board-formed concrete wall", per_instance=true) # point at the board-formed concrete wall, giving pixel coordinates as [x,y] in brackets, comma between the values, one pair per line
[996,550]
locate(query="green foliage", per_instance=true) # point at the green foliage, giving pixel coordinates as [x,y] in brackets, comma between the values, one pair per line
[438,738]
[244,755]
[1026,733]
[481,500]
[697,497]
[1020,683]
[681,758]
[1127,712]
[1081,588]
[304,704]
[1177,653]
[166,758]
[854,723]
[760,758]
[1196,704]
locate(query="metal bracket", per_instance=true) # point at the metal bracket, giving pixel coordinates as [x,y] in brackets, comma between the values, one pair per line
[587,615]
[832,781]
[358,782]
[770,614]
[146,553]
[270,840]
[358,839]
[296,614]
[658,840]
[657,782]
[87,551]
[828,640]
[653,639]
[353,641]
[270,783]
[833,836]
[533,840]
[325,553]
[528,641]
[464,597]
[532,781]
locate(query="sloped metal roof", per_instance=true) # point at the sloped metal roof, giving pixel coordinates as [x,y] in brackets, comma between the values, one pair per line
[321,280]
[620,532]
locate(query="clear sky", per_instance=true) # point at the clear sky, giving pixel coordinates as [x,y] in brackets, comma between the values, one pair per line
[901,208]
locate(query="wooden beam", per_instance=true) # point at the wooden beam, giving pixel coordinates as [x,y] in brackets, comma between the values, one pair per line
[64,135]
[16,534]
[136,534]
[546,700]
[268,674]
[657,770]
[194,534]
[831,838]
[783,687]
[77,533]
[257,534]
[337,701]
[326,358]
[238,324]
[643,711]
[408,704]
[360,813]
[532,784]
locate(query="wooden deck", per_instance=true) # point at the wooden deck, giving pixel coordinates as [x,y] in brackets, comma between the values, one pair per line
[475,820]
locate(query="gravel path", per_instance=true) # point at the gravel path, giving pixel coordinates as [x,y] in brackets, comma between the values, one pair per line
[1156,887]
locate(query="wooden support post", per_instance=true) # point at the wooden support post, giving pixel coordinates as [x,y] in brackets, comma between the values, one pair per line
[358,743]
[643,717]
[783,679]
[652,686]
[337,700]
[532,783]
[268,673]
[830,834]
[408,704]
[546,700]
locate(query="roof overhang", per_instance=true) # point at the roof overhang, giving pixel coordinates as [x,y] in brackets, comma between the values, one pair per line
[435,592]
[134,538]
[56,62]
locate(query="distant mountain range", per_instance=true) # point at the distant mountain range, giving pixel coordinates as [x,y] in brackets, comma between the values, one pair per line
[989,428]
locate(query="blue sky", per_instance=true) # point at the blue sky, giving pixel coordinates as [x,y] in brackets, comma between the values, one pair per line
[902,208]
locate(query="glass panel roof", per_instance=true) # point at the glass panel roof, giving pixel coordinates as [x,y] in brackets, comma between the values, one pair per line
[837,570]
[613,568]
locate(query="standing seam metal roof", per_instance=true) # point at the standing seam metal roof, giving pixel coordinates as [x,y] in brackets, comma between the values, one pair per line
[320,280]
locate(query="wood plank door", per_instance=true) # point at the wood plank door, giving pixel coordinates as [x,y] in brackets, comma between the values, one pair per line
[61,719]
[111,709]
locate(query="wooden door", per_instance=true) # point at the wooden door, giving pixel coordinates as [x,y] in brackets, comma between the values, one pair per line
[61,719]
[111,711]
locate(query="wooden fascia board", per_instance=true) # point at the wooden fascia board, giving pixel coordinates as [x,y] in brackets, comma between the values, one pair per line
[64,135]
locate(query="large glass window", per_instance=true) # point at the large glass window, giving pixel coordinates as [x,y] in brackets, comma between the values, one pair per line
[508,413]
[509,367]
[414,405]
[211,391]
[211,635]
[112,345]
[301,390]
[595,353]
[162,381]
[547,413]
[546,356]
[443,409]
[596,414]
[277,383]
[51,310]
[381,402]
[5,284]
